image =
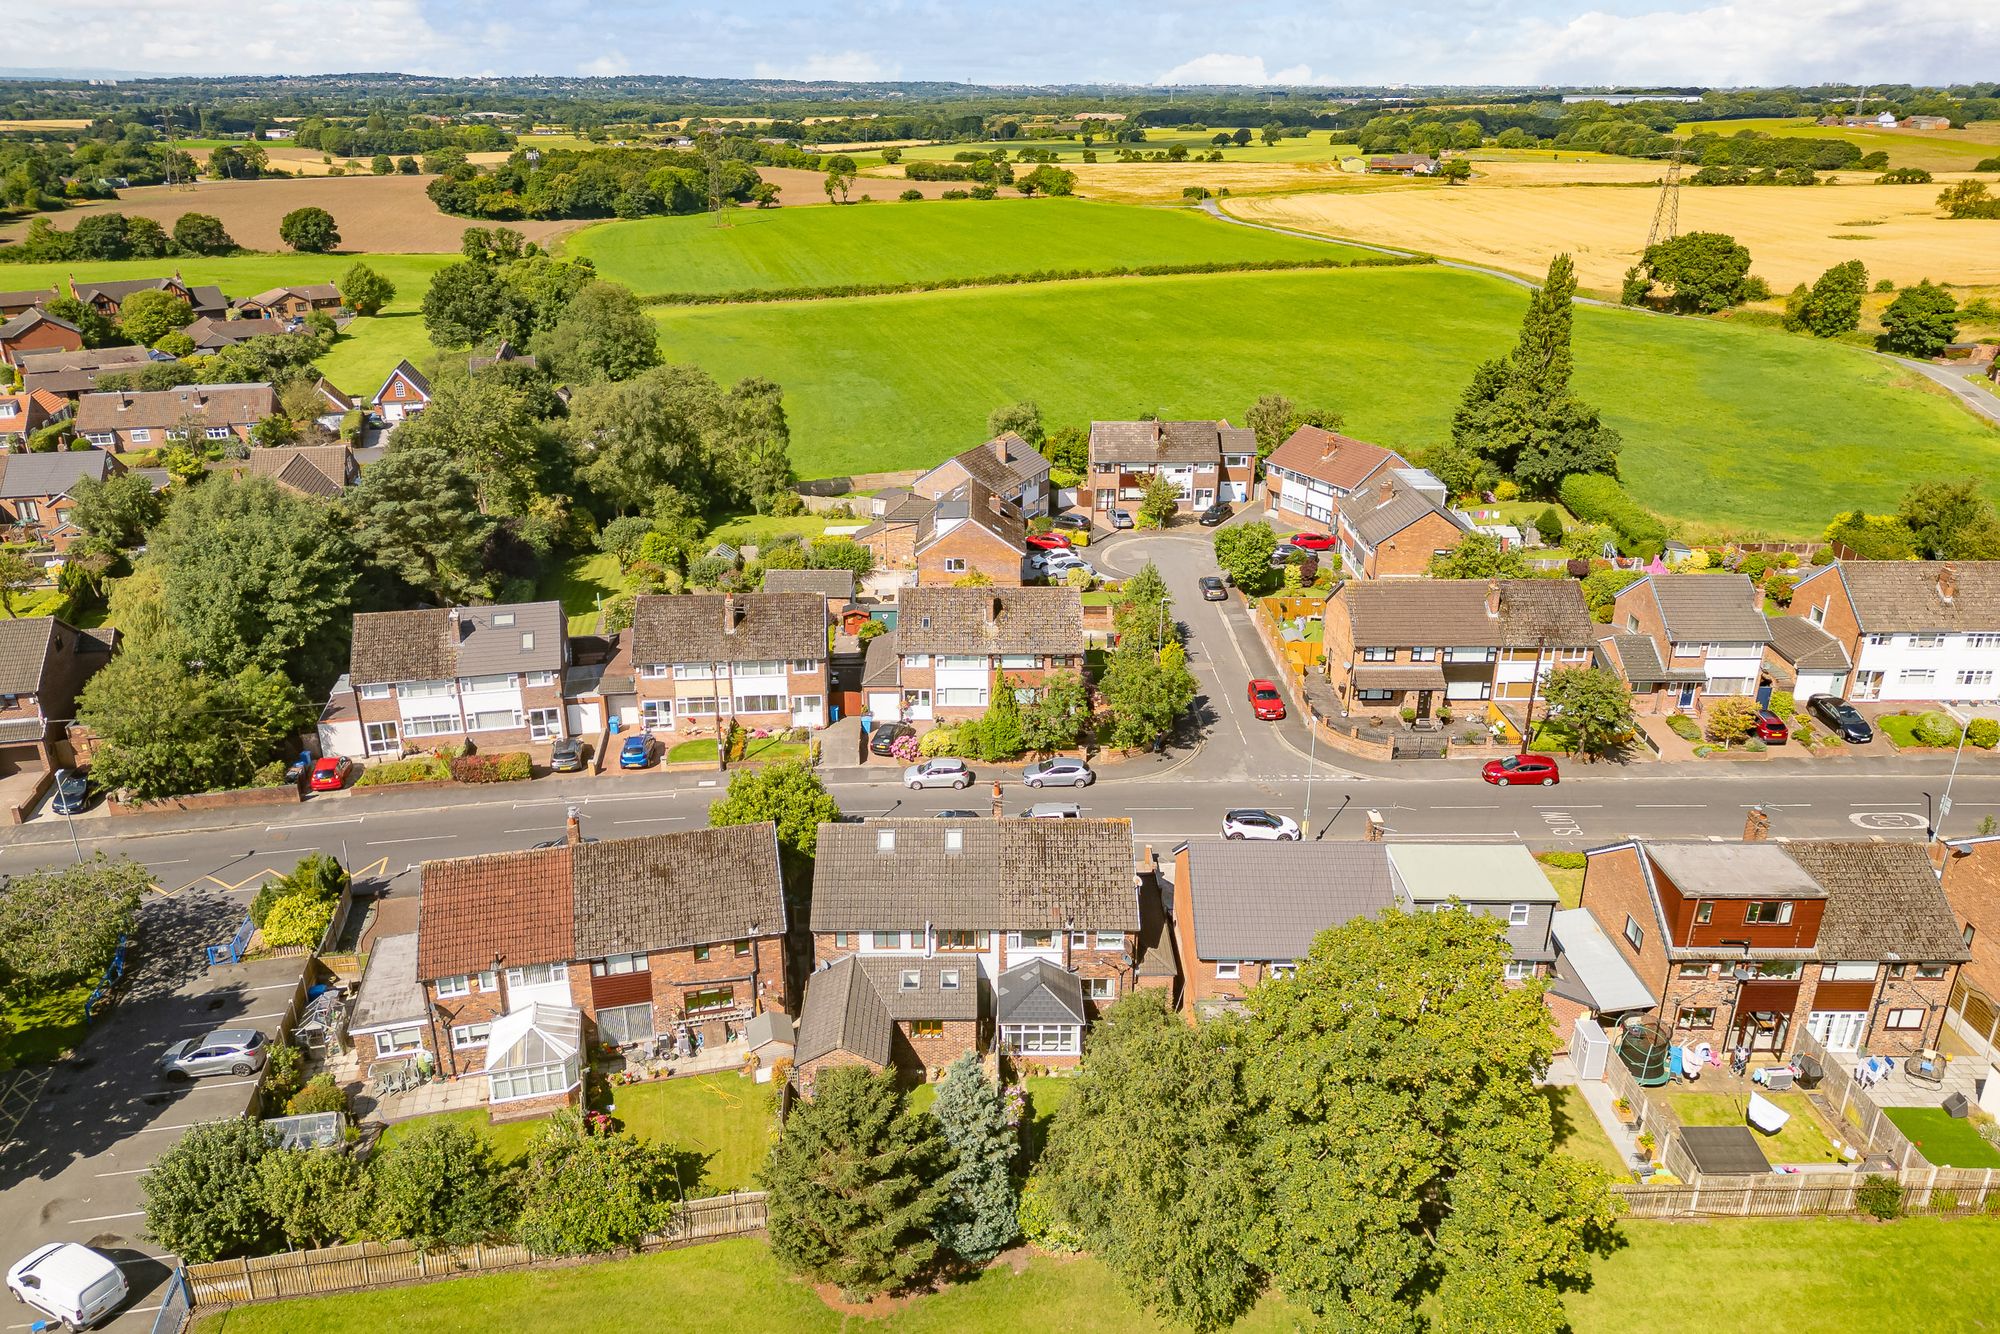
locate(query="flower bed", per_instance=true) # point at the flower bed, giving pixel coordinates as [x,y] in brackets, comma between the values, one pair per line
[415,769]
[512,767]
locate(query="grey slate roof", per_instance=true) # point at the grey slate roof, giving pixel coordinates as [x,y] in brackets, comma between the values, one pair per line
[721,627]
[1375,520]
[991,620]
[1437,613]
[433,644]
[1892,595]
[24,654]
[1039,992]
[1734,870]
[1268,900]
[1806,646]
[837,585]
[1639,657]
[23,475]
[842,1012]
[1196,442]
[1716,607]
[669,891]
[1008,875]
[1884,902]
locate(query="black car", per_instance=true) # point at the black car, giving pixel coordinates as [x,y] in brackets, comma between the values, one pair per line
[566,756]
[1215,515]
[71,794]
[1212,589]
[886,735]
[1841,718]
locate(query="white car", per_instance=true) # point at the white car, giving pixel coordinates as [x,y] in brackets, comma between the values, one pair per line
[1056,564]
[72,1283]
[1260,825]
[937,773]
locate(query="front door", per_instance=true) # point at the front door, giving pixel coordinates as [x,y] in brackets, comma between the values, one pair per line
[1423,704]
[1761,1030]
[1764,694]
[1687,694]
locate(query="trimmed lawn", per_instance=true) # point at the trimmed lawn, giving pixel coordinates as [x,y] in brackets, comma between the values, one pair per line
[1803,1140]
[1946,1140]
[510,1140]
[1568,883]
[725,1117]
[1703,406]
[764,530]
[758,748]
[579,582]
[36,1029]
[1580,1134]
[1902,728]
[826,247]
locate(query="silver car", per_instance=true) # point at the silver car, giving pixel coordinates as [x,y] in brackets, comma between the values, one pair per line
[937,773]
[226,1051]
[1058,773]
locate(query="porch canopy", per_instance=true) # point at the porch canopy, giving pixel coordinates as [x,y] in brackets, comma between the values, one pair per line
[1399,676]
[1729,1151]
[533,1051]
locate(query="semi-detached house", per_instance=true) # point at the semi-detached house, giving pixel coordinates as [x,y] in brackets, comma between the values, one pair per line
[705,659]
[1681,640]
[953,647]
[1206,461]
[1914,630]
[36,493]
[149,419]
[492,676]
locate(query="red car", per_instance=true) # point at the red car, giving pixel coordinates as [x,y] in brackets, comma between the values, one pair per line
[1311,541]
[1771,728]
[1049,541]
[1265,701]
[329,773]
[1522,769]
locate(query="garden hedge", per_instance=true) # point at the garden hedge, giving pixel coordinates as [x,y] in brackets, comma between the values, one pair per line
[1596,498]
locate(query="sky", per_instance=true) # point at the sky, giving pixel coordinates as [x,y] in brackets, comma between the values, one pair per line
[1162,42]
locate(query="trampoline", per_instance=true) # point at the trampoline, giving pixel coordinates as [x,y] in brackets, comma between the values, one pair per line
[1646,1049]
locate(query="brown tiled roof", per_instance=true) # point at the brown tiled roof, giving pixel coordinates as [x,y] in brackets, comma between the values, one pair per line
[305,291]
[313,470]
[669,891]
[433,644]
[1884,902]
[1892,595]
[1340,461]
[991,620]
[516,907]
[24,653]
[880,665]
[763,626]
[1804,645]
[208,332]
[1399,676]
[214,404]
[837,585]
[975,503]
[402,646]
[1709,607]
[505,354]
[982,463]
[1195,442]
[1007,875]
[1438,613]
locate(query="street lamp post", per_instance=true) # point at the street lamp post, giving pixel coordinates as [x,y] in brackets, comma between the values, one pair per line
[1944,803]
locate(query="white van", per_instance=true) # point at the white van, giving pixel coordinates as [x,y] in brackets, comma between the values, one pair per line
[73,1283]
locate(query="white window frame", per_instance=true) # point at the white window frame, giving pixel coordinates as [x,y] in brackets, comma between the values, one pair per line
[1904,1019]
[618,965]
[1228,972]
[1100,988]
[1517,914]
[1040,1039]
[217,433]
[1850,970]
[382,738]
[458,984]
[470,1035]
[541,678]
[551,973]
[396,1041]
[954,565]
[1635,935]
[1518,970]
[377,690]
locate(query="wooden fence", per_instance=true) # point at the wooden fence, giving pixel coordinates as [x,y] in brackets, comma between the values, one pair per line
[1855,1108]
[1934,1190]
[373,1264]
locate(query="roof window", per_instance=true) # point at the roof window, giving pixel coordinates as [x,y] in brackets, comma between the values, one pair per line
[885,840]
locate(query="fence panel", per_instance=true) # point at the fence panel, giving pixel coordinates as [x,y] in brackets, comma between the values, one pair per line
[176,1305]
[1928,1190]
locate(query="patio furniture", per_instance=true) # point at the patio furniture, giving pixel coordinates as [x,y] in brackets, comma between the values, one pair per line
[1777,1078]
[1766,1115]
[1928,1068]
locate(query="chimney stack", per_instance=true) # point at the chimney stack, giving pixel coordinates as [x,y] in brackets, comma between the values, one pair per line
[1757,825]
[992,611]
[574,827]
[1000,448]
[1375,827]
[1385,491]
[731,613]
[999,801]
[1947,583]
[1493,598]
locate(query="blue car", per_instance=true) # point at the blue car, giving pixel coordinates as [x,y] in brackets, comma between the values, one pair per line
[636,753]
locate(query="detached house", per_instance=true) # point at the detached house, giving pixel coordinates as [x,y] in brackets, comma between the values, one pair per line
[1451,642]
[71,374]
[127,419]
[109,297]
[1680,640]
[1392,527]
[952,647]
[1206,461]
[706,659]
[1307,476]
[22,414]
[1007,465]
[404,394]
[1913,630]
[289,305]
[317,471]
[36,330]
[35,493]
[489,675]
[937,937]
[44,664]
[23,300]
[210,336]
[892,533]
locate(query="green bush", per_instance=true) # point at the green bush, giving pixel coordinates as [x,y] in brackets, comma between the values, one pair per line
[1784,704]
[416,769]
[1935,729]
[297,920]
[1881,1196]
[1596,498]
[1684,727]
[1983,733]
[1040,1224]
[321,1094]
[515,766]
[282,1068]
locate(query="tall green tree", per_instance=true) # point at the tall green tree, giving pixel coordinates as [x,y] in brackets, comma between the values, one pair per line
[1143,614]
[118,510]
[1146,694]
[1274,417]
[1921,321]
[586,1190]
[416,514]
[314,1197]
[441,1185]
[1244,552]
[202,234]
[204,1198]
[1000,734]
[1152,1159]
[18,574]
[1832,305]
[1160,503]
[1405,1146]
[1704,271]
[165,729]
[92,325]
[603,334]
[1068,448]
[855,1184]
[1023,419]
[1594,704]
[788,793]
[1057,719]
[1479,556]
[309,230]
[1951,520]
[149,316]
[978,1118]
[494,429]
[63,924]
[365,291]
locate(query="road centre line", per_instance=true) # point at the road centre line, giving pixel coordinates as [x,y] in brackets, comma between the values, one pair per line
[426,838]
[305,824]
[1494,807]
[1672,806]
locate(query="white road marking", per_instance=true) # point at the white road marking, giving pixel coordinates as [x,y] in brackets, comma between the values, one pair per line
[309,824]
[128,1172]
[654,819]
[1494,807]
[427,838]
[1674,806]
[110,1218]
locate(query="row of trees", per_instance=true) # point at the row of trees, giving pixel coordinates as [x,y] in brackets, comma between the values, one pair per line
[592,183]
[115,236]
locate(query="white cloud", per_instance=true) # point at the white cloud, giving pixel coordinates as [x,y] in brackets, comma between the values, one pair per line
[1218,67]
[606,66]
[834,67]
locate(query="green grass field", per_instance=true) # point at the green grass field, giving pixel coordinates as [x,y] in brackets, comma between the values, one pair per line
[1816,1276]
[1946,1140]
[1934,150]
[940,239]
[1723,426]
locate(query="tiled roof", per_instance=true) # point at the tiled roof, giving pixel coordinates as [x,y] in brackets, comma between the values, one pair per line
[505,354]
[208,332]
[437,643]
[1338,460]
[1195,442]
[402,646]
[1884,902]
[305,291]
[24,653]
[408,372]
[29,296]
[973,502]
[313,470]
[991,620]
[214,404]
[1702,607]
[842,1012]
[929,998]
[511,637]
[879,663]
[1434,613]
[25,475]
[1268,900]
[1892,595]
[332,393]
[983,463]
[832,584]
[1039,992]
[718,627]
[669,891]
[202,298]
[1638,658]
[1399,676]
[516,907]
[1006,875]
[1376,520]
[1806,646]
[28,319]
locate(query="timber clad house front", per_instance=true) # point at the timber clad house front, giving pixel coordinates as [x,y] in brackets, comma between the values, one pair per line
[630,941]
[151,419]
[932,938]
[492,676]
[1307,476]
[1914,630]
[953,647]
[1746,944]
[705,659]
[1206,461]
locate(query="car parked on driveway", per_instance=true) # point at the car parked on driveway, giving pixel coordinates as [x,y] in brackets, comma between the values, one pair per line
[329,773]
[566,756]
[1061,772]
[71,793]
[1049,541]
[1311,541]
[74,1284]
[1250,823]
[884,736]
[1213,589]
[1771,728]
[1121,518]
[1842,718]
[1284,554]
[1265,701]
[1075,523]
[637,752]
[1058,564]
[226,1051]
[1517,769]
[1215,515]
[937,773]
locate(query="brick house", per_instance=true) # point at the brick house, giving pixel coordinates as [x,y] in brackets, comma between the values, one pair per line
[1480,640]
[109,297]
[22,414]
[1971,878]
[319,472]
[1743,944]
[1243,912]
[1391,528]
[404,394]
[1006,465]
[952,646]
[1308,475]
[506,354]
[644,940]
[1680,640]
[892,533]
[37,331]
[288,305]
[1206,461]
[70,375]
[970,530]
[939,919]
[127,419]
[35,493]
[492,676]
[22,300]
[704,659]
[44,664]
[210,336]
[1914,630]
[1805,659]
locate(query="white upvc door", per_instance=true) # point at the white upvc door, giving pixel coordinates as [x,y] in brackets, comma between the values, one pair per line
[1838,1030]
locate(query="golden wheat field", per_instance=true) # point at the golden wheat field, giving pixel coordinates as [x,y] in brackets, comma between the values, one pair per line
[1793,233]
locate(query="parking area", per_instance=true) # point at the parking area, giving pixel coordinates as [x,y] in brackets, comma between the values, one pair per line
[71,1170]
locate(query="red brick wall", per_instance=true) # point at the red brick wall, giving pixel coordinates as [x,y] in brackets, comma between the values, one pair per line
[1613,887]
[926,1056]
[979,549]
[521,1109]
[894,547]
[41,338]
[1408,554]
[1972,883]
[808,1072]
[1825,587]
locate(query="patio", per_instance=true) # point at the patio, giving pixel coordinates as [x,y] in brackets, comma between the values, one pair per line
[1896,1088]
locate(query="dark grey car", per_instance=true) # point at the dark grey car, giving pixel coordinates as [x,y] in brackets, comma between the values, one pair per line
[1843,718]
[226,1051]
